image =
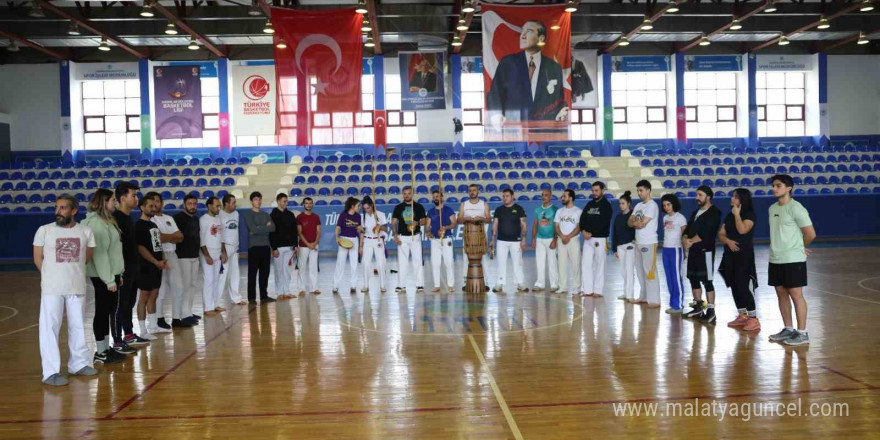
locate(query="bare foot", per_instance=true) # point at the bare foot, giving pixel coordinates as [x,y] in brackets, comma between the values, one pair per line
[435,290]
[653,306]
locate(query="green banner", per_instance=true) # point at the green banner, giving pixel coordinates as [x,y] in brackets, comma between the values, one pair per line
[609,124]
[146,134]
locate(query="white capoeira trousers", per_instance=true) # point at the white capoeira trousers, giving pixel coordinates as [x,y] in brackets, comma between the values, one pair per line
[352,255]
[282,269]
[232,275]
[212,288]
[546,257]
[570,261]
[646,268]
[52,309]
[627,255]
[593,265]
[374,248]
[172,283]
[189,274]
[441,253]
[308,268]
[513,249]
[409,259]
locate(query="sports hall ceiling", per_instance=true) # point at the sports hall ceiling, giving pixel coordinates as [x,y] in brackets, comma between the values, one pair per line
[41,30]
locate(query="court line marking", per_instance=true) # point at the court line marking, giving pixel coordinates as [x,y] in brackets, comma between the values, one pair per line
[866,287]
[842,374]
[500,398]
[14,312]
[19,330]
[174,368]
[843,296]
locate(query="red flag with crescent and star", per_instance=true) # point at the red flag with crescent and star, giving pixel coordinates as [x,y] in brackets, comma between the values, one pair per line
[323,59]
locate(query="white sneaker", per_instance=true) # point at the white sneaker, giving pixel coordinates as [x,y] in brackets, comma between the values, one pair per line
[497,288]
[158,329]
[522,288]
[148,336]
[537,287]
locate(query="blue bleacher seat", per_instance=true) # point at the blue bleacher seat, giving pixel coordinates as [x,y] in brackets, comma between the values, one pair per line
[310,192]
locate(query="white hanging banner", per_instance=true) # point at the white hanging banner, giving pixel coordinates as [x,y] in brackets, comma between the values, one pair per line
[770,63]
[253,100]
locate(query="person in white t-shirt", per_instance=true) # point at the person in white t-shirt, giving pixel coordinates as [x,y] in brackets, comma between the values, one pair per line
[172,279]
[567,224]
[230,220]
[674,225]
[214,256]
[61,251]
[375,225]
[644,220]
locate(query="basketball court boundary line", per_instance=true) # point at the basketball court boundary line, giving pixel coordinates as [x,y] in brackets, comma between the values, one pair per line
[842,295]
[859,283]
[14,312]
[19,330]
[842,374]
[500,398]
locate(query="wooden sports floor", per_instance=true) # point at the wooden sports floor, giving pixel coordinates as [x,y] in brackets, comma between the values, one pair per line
[431,366]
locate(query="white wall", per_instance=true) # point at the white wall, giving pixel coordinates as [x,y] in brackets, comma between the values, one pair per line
[854,94]
[30,94]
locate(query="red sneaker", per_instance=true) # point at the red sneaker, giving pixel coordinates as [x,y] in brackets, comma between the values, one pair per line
[739,321]
[752,324]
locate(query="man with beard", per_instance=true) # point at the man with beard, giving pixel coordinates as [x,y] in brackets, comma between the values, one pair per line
[308,227]
[699,243]
[644,220]
[188,259]
[171,282]
[229,220]
[151,263]
[284,247]
[259,226]
[595,225]
[439,225]
[406,221]
[509,236]
[474,210]
[544,241]
[213,256]
[567,224]
[126,196]
[61,251]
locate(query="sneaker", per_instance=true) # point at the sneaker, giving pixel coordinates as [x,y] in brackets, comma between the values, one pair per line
[100,358]
[799,338]
[783,335]
[695,312]
[197,317]
[162,324]
[85,371]
[148,336]
[113,356]
[135,340]
[180,323]
[252,302]
[158,329]
[739,321]
[420,289]
[497,288]
[538,287]
[365,290]
[56,380]
[267,299]
[123,348]
[522,288]
[399,290]
[190,321]
[708,316]
[672,311]
[752,324]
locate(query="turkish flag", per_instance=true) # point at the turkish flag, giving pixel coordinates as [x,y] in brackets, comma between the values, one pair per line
[379,130]
[324,54]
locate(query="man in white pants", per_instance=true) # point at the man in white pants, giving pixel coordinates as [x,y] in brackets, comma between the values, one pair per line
[308,226]
[188,259]
[213,256]
[595,225]
[229,219]
[406,221]
[474,209]
[509,237]
[283,241]
[61,251]
[373,243]
[439,226]
[544,241]
[644,220]
[567,224]
[171,281]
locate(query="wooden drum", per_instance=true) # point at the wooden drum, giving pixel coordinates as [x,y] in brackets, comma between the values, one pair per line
[475,247]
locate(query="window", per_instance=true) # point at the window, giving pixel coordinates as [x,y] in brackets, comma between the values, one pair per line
[781,102]
[402,125]
[346,128]
[639,105]
[111,114]
[472,106]
[710,104]
[583,124]
[210,119]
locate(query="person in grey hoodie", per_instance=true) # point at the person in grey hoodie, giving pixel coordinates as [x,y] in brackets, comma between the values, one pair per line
[259,225]
[105,270]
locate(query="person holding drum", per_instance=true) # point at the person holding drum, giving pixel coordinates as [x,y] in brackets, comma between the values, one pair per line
[474,213]
[348,236]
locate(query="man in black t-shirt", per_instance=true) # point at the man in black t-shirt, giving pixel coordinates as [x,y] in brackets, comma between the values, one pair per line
[698,241]
[126,196]
[508,230]
[151,262]
[406,222]
[188,252]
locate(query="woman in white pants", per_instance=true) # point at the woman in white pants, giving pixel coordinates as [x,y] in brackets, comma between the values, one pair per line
[375,226]
[623,246]
[349,227]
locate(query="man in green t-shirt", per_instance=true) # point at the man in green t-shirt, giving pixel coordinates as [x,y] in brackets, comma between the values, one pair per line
[791,231]
[544,241]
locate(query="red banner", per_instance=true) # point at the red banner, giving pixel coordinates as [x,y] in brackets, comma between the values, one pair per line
[324,51]
[527,71]
[379,130]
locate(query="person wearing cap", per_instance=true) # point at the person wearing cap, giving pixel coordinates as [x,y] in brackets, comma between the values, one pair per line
[375,225]
[699,243]
[348,233]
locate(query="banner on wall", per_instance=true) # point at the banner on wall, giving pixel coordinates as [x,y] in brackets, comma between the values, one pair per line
[650,63]
[422,80]
[253,100]
[207,69]
[103,71]
[471,64]
[713,63]
[770,63]
[178,102]
[584,73]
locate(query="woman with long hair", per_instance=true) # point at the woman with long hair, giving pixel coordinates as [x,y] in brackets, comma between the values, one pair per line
[349,234]
[674,225]
[623,246]
[738,263]
[375,226]
[105,270]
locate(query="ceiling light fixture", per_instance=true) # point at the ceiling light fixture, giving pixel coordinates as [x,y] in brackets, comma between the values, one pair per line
[735,25]
[193,44]
[13,46]
[281,44]
[704,41]
[104,46]
[37,11]
[361,7]
[170,29]
[370,42]
[783,41]
[623,41]
[866,6]
[462,27]
[74,29]
[673,7]
[646,24]
[823,23]
[254,9]
[570,6]
[771,6]
[468,7]
[554,27]
[863,39]
[456,41]
[268,29]
[147,10]
[365,26]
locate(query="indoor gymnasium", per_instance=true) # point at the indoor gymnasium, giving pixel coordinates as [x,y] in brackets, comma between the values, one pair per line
[439,219]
